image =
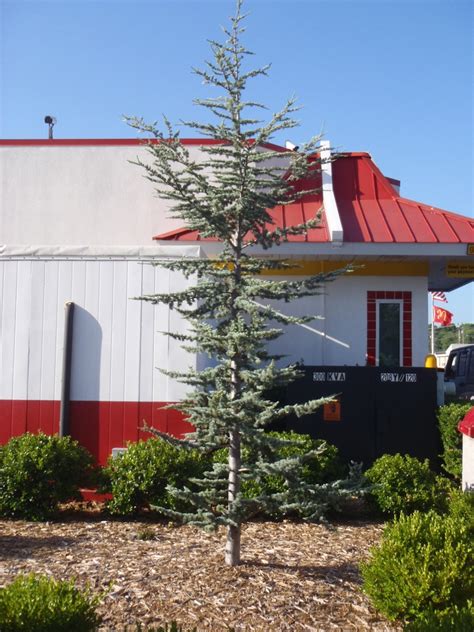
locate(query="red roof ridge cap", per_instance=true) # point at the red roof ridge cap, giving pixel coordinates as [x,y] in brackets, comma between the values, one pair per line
[98,141]
[58,142]
[352,154]
[177,232]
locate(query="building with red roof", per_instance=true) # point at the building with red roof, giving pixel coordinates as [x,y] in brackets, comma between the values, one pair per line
[364,215]
[78,223]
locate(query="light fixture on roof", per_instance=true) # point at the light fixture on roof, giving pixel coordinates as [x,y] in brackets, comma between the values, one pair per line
[291,146]
[51,122]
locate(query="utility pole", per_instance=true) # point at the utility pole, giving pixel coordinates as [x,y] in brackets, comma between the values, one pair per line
[432,325]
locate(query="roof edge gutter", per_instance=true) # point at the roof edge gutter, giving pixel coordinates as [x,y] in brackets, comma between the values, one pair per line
[112,252]
[336,232]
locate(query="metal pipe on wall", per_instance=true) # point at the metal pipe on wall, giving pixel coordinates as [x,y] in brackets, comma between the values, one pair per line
[64,429]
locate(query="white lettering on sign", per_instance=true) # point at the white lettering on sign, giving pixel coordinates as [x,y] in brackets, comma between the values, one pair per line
[392,377]
[398,377]
[319,376]
[335,376]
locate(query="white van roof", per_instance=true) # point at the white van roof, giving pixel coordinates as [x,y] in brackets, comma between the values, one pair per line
[456,346]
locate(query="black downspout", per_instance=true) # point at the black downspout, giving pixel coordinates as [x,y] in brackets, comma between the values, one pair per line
[64,429]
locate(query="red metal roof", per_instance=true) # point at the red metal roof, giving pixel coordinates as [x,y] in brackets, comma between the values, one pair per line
[370,208]
[283,216]
[466,425]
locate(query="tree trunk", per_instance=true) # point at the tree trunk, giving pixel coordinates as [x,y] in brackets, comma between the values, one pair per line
[232,547]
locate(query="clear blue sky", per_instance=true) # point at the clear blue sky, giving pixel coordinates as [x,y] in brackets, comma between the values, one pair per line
[393,77]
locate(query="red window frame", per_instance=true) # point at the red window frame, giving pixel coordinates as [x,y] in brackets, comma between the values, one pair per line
[372,298]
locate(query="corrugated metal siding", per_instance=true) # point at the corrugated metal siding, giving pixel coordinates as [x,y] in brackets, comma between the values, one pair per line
[118,349]
[117,345]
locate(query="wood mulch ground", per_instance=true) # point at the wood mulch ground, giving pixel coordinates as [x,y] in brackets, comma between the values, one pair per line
[293,576]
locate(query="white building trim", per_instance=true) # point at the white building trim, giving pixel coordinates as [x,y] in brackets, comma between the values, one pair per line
[336,232]
[138,253]
[348,250]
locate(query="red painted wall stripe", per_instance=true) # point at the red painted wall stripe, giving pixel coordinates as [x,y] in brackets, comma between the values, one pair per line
[98,426]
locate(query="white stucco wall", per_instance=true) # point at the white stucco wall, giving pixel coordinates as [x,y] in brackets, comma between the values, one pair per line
[79,195]
[340,337]
[82,195]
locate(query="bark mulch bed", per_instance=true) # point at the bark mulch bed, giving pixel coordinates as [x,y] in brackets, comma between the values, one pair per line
[293,576]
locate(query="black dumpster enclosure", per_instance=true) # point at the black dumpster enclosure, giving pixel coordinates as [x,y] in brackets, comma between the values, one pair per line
[376,410]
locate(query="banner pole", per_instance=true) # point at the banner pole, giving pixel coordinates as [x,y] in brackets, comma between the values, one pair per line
[432,325]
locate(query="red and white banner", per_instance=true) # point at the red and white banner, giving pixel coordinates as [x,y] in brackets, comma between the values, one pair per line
[442,316]
[439,296]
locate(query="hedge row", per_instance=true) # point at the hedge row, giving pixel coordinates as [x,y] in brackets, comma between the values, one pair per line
[422,573]
[37,472]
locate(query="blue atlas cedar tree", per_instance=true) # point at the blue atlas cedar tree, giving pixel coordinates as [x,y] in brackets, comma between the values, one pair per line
[227,305]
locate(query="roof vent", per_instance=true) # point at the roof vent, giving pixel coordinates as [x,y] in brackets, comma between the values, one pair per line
[395,184]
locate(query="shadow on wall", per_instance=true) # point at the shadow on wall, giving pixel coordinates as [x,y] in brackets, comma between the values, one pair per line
[85,380]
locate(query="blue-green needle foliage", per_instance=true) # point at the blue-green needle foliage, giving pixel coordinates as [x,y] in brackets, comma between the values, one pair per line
[230,303]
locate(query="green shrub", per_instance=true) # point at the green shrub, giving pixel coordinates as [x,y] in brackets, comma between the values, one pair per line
[456,619]
[38,471]
[405,484]
[138,478]
[323,468]
[33,603]
[424,564]
[448,418]
[461,506]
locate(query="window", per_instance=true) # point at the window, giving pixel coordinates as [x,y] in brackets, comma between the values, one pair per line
[389,328]
[471,363]
[462,363]
[389,333]
[450,370]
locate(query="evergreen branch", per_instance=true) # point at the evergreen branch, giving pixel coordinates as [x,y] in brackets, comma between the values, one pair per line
[184,443]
